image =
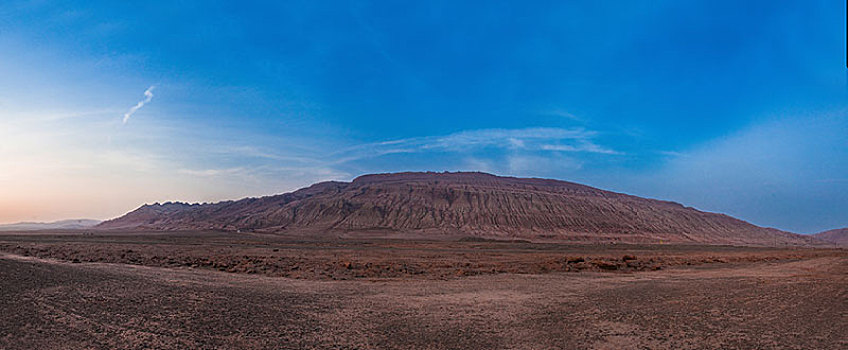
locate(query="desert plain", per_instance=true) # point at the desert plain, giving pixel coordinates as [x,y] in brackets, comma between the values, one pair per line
[209,290]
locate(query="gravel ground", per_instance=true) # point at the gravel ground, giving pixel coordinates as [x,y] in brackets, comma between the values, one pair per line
[796,302]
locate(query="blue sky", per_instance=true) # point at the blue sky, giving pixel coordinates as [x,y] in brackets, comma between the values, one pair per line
[727,106]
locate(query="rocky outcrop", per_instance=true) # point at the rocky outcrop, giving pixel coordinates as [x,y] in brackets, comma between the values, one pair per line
[471,204]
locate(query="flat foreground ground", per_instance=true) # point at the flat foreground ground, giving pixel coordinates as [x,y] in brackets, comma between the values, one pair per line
[197,290]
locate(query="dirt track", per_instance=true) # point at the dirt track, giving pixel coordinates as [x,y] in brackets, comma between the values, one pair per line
[775,303]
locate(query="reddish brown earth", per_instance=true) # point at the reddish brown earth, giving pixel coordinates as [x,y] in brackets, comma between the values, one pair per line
[278,256]
[143,290]
[838,236]
[438,205]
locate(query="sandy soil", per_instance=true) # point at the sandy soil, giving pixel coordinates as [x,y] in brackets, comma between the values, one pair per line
[730,298]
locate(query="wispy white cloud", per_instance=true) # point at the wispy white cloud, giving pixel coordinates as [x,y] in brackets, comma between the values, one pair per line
[560,148]
[672,153]
[526,139]
[148,95]
[265,172]
[211,172]
[264,153]
[582,146]
[562,113]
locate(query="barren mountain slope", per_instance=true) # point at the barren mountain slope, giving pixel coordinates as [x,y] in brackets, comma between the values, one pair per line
[837,236]
[461,204]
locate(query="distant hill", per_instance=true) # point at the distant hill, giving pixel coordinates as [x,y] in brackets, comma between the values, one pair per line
[56,225]
[460,204]
[838,236]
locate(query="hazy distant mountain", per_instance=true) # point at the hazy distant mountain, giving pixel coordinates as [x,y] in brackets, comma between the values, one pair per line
[56,225]
[475,204]
[838,236]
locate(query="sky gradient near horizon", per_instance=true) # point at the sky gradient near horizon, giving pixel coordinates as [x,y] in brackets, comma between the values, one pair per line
[725,106]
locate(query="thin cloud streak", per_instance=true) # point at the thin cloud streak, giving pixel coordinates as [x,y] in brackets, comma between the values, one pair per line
[528,139]
[532,140]
[563,114]
[148,95]
[211,172]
